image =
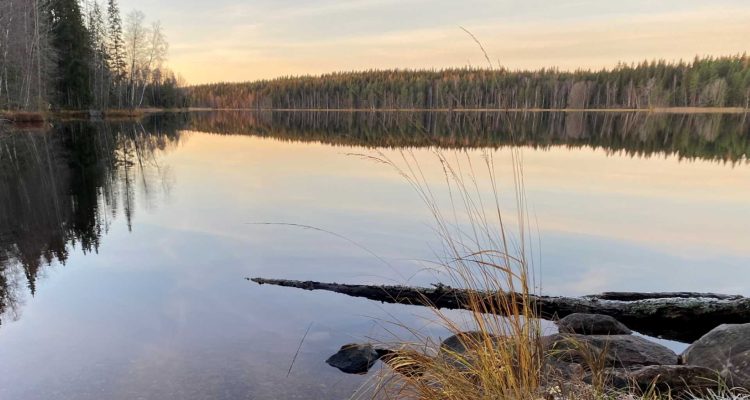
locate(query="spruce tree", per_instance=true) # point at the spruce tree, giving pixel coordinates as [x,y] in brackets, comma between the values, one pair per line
[100,58]
[115,44]
[71,41]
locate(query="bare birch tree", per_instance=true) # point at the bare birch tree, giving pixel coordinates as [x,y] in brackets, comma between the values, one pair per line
[136,41]
[25,54]
[146,49]
[156,54]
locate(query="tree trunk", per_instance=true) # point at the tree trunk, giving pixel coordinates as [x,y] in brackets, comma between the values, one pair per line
[681,316]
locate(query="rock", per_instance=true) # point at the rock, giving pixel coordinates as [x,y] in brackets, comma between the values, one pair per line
[676,379]
[403,361]
[554,369]
[613,378]
[726,350]
[454,349]
[354,358]
[620,351]
[592,324]
[457,343]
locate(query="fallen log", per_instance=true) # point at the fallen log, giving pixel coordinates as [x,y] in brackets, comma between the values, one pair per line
[632,296]
[676,316]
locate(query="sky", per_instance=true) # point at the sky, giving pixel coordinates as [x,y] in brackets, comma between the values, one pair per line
[236,40]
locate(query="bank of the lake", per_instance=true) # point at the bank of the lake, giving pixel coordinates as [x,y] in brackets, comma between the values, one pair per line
[37,117]
[32,117]
[655,110]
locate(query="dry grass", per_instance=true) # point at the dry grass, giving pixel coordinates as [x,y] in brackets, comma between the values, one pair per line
[502,358]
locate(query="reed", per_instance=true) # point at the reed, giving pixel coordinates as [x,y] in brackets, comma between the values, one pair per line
[480,250]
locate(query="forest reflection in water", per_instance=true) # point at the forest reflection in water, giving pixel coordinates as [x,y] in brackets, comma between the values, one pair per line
[61,187]
[719,137]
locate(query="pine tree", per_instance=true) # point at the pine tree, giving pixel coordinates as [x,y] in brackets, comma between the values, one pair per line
[71,41]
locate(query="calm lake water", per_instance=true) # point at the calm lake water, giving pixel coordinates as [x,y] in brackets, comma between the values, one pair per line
[124,246]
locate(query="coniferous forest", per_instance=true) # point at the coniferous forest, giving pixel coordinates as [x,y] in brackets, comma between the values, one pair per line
[703,82]
[73,54]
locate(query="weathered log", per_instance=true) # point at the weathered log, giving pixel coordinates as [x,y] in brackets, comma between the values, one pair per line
[632,296]
[678,316]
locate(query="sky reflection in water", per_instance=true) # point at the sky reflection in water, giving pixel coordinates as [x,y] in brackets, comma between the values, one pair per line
[159,307]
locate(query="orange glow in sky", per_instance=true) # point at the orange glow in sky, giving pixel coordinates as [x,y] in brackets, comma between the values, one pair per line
[230,40]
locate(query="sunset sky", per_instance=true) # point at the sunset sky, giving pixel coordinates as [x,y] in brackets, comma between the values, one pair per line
[232,40]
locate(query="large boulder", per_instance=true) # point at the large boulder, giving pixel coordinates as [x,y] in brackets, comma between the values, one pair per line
[354,358]
[726,350]
[618,351]
[592,324]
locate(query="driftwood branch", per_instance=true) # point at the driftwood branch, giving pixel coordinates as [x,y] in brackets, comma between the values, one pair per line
[681,316]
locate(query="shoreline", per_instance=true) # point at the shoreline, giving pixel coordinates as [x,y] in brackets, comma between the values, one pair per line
[39,117]
[655,110]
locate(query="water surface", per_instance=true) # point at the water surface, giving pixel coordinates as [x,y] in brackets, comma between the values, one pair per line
[123,246]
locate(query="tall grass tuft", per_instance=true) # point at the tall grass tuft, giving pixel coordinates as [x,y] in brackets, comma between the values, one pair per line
[481,249]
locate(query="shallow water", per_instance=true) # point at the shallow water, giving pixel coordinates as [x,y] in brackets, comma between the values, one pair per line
[124,246]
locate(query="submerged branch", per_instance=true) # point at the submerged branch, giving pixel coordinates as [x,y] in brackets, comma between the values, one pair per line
[681,316]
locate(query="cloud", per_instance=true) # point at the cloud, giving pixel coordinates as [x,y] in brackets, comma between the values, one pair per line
[265,40]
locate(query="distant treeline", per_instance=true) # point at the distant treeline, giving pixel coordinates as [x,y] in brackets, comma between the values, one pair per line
[704,82]
[78,54]
[718,137]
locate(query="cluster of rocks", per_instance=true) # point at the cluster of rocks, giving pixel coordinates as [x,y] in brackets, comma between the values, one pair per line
[594,348]
[721,358]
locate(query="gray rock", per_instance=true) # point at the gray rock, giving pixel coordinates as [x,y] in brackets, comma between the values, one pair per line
[402,361]
[454,349]
[592,324]
[676,379]
[726,350]
[354,358]
[619,351]
[554,369]
[457,343]
[614,378]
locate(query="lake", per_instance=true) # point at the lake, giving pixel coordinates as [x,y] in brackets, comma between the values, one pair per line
[124,246]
